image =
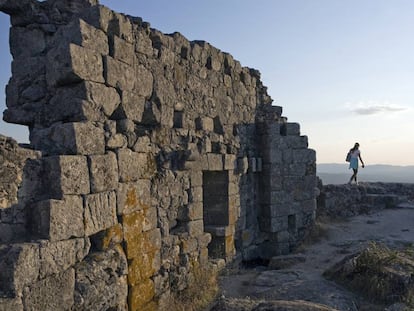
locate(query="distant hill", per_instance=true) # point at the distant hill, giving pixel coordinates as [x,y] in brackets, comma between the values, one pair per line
[334,173]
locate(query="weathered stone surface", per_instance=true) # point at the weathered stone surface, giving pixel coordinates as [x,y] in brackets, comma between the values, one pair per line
[122,50]
[66,175]
[144,81]
[101,282]
[134,165]
[83,101]
[22,37]
[140,295]
[12,161]
[19,267]
[100,212]
[81,33]
[147,242]
[7,304]
[56,257]
[132,107]
[133,196]
[53,293]
[69,138]
[103,170]
[74,64]
[58,219]
[118,74]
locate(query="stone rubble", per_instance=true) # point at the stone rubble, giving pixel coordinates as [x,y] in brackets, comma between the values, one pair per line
[158,154]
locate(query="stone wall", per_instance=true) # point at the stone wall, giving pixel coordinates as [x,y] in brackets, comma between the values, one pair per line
[337,201]
[158,155]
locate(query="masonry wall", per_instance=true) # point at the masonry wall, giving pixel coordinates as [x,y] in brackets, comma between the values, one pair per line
[159,155]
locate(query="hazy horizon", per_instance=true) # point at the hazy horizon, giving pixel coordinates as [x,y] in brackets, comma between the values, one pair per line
[342,69]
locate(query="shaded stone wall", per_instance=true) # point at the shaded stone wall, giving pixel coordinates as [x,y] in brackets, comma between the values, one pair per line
[158,155]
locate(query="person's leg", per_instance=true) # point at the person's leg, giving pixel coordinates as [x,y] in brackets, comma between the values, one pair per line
[355,175]
[352,177]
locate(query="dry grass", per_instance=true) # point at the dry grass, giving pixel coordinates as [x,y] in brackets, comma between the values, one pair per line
[200,293]
[382,274]
[316,233]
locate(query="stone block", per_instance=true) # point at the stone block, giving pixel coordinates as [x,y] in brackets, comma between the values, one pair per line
[103,171]
[133,196]
[56,257]
[230,162]
[143,267]
[296,142]
[122,50]
[196,194]
[193,211]
[118,74]
[99,16]
[52,293]
[189,245]
[242,165]
[57,219]
[26,42]
[101,281]
[290,128]
[137,244]
[100,212]
[134,165]
[195,227]
[144,81]
[132,107]
[83,34]
[138,222]
[78,138]
[204,239]
[140,295]
[72,64]
[205,124]
[304,156]
[196,178]
[67,174]
[19,267]
[83,101]
[215,162]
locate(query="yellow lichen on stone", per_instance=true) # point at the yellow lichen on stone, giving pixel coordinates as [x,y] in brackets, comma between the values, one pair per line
[140,295]
[142,267]
[113,235]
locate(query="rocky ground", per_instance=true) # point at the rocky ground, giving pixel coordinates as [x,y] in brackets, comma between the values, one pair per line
[298,277]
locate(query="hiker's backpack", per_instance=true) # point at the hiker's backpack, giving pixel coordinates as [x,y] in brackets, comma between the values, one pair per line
[348,156]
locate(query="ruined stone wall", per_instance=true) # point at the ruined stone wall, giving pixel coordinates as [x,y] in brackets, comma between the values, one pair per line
[158,155]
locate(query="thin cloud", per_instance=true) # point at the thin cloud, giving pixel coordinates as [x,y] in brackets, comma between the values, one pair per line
[372,108]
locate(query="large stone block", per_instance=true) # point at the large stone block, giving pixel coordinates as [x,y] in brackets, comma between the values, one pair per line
[137,244]
[140,295]
[215,162]
[122,50]
[103,171]
[133,196]
[144,81]
[132,107]
[52,293]
[83,34]
[56,257]
[72,64]
[134,165]
[99,16]
[100,212]
[19,267]
[119,74]
[101,282]
[304,156]
[205,124]
[83,101]
[58,219]
[195,227]
[26,42]
[66,175]
[69,138]
[143,267]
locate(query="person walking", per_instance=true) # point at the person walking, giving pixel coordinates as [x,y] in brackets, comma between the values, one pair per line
[353,163]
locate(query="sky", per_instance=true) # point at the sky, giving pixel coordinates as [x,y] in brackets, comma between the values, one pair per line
[342,69]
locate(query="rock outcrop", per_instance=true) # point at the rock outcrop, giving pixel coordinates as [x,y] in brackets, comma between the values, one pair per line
[158,154]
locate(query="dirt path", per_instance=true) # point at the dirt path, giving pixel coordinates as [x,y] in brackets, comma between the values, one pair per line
[304,280]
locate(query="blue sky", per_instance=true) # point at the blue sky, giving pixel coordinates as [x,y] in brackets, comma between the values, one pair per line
[343,69]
